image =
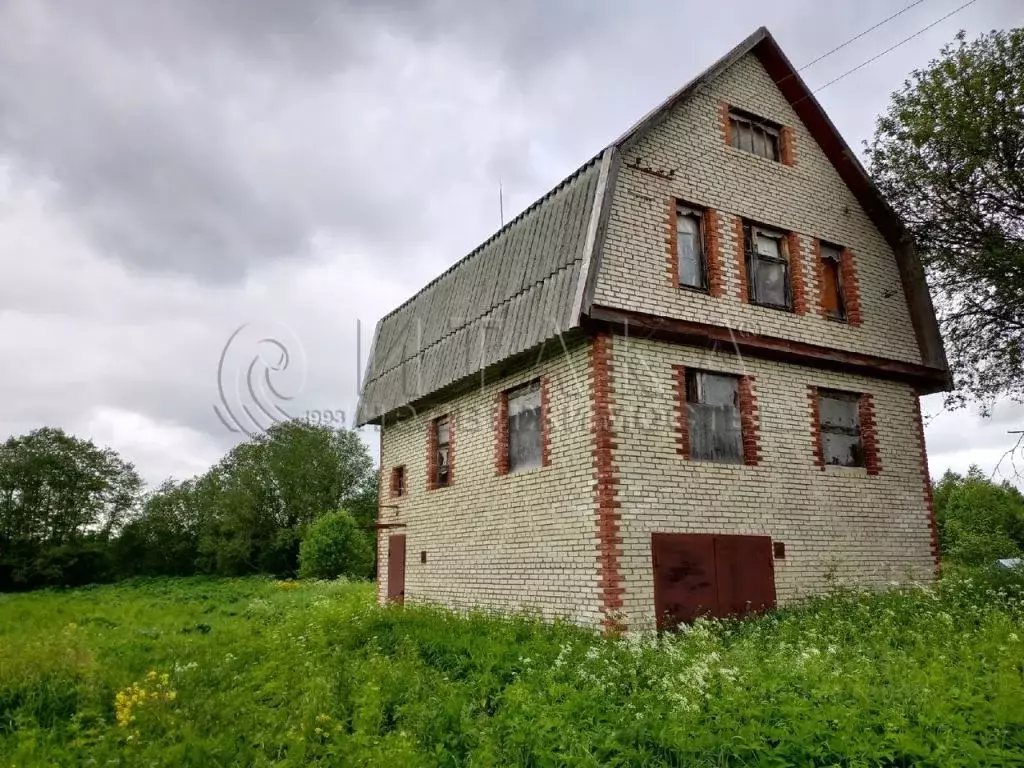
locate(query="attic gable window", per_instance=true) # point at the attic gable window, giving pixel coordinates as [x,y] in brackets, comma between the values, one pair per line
[754,135]
[693,268]
[768,265]
[833,303]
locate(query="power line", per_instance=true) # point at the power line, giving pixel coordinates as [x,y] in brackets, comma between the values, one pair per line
[857,37]
[889,49]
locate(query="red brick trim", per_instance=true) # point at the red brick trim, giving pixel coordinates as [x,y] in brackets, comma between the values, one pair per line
[606,481]
[723,119]
[796,273]
[501,434]
[545,426]
[815,404]
[380,517]
[713,253]
[819,277]
[869,434]
[394,494]
[926,480]
[750,422]
[672,242]
[740,245]
[851,288]
[451,450]
[682,414]
[787,146]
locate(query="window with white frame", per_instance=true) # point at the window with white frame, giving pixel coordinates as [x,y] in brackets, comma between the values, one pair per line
[693,270]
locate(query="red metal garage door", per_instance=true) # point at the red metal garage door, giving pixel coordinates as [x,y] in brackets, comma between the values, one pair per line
[710,575]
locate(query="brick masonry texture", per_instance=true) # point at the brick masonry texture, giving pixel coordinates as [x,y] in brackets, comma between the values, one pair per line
[808,198]
[740,259]
[501,434]
[797,259]
[851,288]
[749,422]
[606,481]
[682,415]
[713,253]
[519,541]
[814,404]
[840,525]
[869,434]
[926,482]
[787,150]
[672,241]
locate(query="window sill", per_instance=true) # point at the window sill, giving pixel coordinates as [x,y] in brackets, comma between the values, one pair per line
[744,153]
[528,471]
[776,307]
[840,320]
[693,289]
[844,468]
[439,487]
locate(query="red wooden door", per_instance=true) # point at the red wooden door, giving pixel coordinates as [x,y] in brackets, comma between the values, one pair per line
[713,575]
[745,570]
[396,568]
[684,577]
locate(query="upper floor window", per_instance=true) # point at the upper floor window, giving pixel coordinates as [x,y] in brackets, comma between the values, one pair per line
[832,300]
[768,265]
[525,435]
[441,469]
[398,481]
[841,442]
[752,134]
[713,409]
[693,270]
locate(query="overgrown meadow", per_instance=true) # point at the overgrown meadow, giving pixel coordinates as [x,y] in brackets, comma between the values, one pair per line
[207,672]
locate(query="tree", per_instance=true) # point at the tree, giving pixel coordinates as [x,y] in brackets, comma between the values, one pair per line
[61,500]
[266,492]
[335,546]
[949,156]
[979,521]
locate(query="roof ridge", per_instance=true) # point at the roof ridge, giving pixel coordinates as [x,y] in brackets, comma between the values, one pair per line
[468,323]
[476,251]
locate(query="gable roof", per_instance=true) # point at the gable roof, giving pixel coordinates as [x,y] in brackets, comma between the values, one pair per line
[533,279]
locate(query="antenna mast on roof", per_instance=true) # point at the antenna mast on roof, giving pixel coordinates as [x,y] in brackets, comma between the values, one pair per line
[501,202]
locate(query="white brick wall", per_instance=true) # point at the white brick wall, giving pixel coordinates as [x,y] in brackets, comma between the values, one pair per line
[524,541]
[840,526]
[809,198]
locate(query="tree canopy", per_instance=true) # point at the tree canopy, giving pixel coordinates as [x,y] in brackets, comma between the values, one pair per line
[949,156]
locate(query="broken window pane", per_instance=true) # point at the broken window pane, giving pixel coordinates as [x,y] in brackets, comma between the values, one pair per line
[755,137]
[714,417]
[769,268]
[840,428]
[690,249]
[771,283]
[524,428]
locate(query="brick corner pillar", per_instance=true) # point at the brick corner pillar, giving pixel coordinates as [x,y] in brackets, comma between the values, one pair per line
[796,272]
[682,415]
[851,288]
[545,421]
[501,434]
[926,480]
[713,254]
[724,123]
[787,146]
[606,481]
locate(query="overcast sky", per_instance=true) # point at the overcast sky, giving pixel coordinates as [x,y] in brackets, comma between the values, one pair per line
[172,171]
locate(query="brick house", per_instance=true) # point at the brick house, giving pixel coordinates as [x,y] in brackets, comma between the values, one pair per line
[685,380]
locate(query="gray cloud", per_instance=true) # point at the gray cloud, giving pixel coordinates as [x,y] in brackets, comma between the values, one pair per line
[172,169]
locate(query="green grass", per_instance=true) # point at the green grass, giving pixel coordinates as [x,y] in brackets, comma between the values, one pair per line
[264,674]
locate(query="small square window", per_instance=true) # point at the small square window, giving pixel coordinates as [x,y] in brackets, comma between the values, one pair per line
[693,271]
[839,414]
[525,431]
[754,135]
[768,263]
[832,299]
[712,403]
[442,452]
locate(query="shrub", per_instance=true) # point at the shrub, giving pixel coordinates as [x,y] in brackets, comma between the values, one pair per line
[335,546]
[979,521]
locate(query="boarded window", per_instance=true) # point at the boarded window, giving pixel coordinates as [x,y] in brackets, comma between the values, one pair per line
[690,248]
[442,456]
[712,403]
[832,282]
[754,135]
[525,438]
[840,428]
[768,262]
